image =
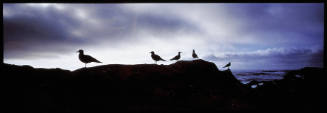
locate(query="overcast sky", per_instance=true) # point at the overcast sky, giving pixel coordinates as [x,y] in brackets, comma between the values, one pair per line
[251,36]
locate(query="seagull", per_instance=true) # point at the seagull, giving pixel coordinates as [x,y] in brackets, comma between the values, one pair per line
[227,65]
[194,55]
[156,57]
[86,58]
[177,56]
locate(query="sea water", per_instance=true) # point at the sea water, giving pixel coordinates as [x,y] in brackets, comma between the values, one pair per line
[246,76]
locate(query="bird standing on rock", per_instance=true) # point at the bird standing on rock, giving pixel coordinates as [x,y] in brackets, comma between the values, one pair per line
[86,58]
[156,57]
[227,65]
[194,55]
[177,57]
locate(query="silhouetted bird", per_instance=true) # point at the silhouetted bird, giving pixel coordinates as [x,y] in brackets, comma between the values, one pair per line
[177,57]
[86,58]
[194,55]
[156,57]
[227,65]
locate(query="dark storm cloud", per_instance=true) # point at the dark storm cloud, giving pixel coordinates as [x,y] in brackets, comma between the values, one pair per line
[165,24]
[41,30]
[47,31]
[279,17]
[37,32]
[114,24]
[122,23]
[300,23]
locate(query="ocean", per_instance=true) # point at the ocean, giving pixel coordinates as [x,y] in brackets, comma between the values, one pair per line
[246,76]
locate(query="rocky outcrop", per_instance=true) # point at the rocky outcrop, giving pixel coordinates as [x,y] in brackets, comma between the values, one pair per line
[183,86]
[298,91]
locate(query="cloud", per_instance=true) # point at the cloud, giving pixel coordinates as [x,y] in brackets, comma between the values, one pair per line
[280,24]
[282,58]
[59,28]
[36,31]
[125,33]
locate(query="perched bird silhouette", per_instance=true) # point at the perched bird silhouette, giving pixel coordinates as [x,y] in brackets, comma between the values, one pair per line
[177,57]
[86,58]
[227,65]
[194,55]
[156,57]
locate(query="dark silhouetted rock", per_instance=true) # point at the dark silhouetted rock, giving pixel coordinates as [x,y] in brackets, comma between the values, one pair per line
[183,86]
[292,93]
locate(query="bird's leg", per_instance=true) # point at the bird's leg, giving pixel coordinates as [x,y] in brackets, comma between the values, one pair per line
[85,65]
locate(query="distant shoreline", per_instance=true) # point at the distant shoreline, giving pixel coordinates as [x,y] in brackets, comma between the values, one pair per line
[246,76]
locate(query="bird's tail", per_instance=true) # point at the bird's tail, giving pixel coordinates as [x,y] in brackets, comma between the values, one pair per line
[98,62]
[162,59]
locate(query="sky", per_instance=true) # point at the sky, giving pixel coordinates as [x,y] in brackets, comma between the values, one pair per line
[258,36]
